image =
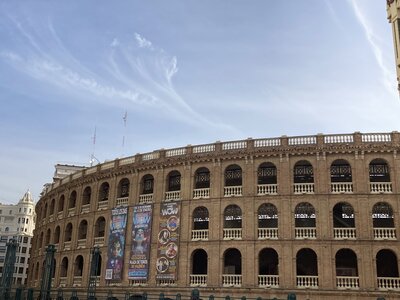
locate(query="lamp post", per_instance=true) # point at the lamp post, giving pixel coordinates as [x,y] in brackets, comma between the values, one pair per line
[8,269]
[91,294]
[47,273]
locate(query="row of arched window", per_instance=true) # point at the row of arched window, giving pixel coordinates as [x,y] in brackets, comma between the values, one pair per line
[268,216]
[346,268]
[267,183]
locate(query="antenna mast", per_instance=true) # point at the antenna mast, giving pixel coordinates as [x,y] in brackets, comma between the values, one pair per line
[92,157]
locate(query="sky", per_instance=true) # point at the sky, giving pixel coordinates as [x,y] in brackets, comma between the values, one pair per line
[183,72]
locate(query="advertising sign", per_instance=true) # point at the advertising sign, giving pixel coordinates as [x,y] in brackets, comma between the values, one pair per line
[168,241]
[116,244]
[141,238]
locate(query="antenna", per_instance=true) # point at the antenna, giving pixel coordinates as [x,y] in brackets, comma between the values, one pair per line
[125,118]
[92,157]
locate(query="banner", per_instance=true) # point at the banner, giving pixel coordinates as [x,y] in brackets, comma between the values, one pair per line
[116,244]
[168,241]
[141,238]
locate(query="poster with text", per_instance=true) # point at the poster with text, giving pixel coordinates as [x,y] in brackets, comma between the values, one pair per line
[168,241]
[116,244]
[141,238]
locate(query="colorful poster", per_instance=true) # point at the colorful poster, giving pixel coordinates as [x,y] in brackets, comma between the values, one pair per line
[141,238]
[116,244]
[168,241]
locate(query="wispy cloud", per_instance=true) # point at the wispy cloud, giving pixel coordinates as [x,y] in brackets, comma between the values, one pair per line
[373,40]
[142,42]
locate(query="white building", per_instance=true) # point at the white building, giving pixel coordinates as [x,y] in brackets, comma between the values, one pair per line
[18,221]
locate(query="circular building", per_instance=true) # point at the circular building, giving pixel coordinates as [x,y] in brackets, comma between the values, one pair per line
[314,215]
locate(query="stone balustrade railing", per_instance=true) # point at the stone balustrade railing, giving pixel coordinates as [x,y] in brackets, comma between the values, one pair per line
[303,188]
[232,233]
[389,283]
[200,235]
[305,232]
[122,201]
[267,233]
[267,189]
[380,187]
[85,208]
[307,281]
[229,280]
[230,191]
[198,280]
[344,233]
[67,245]
[81,243]
[145,198]
[384,233]
[99,241]
[102,204]
[347,282]
[341,187]
[268,281]
[318,141]
[201,193]
[171,196]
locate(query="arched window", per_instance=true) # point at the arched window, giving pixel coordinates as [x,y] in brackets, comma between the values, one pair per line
[64,267]
[123,188]
[48,235]
[379,171]
[341,171]
[232,223]
[147,184]
[68,233]
[37,271]
[72,200]
[304,217]
[346,265]
[383,221]
[202,178]
[78,267]
[56,238]
[99,228]
[303,172]
[306,268]
[98,267]
[174,181]
[82,231]
[233,175]
[45,210]
[52,205]
[268,262]
[53,271]
[343,221]
[267,174]
[40,239]
[232,268]
[200,218]
[199,267]
[87,194]
[61,204]
[267,221]
[103,192]
[386,266]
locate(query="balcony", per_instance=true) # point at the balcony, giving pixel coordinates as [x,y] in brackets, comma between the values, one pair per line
[344,233]
[389,283]
[305,233]
[380,187]
[173,195]
[268,281]
[138,282]
[63,281]
[232,191]
[99,241]
[146,199]
[51,218]
[200,235]
[347,282]
[82,243]
[341,187]
[67,245]
[71,211]
[102,205]
[198,280]
[385,233]
[85,208]
[303,188]
[201,193]
[267,189]
[77,281]
[267,233]
[231,280]
[307,282]
[166,282]
[122,201]
[232,233]
[60,214]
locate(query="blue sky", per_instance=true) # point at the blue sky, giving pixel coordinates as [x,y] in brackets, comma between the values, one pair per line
[186,72]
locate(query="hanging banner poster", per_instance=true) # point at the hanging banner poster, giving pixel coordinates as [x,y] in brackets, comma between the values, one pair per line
[116,244]
[168,241]
[141,238]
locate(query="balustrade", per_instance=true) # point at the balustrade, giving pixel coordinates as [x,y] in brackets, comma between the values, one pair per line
[302,140]
[267,189]
[165,282]
[344,233]
[71,211]
[60,215]
[384,233]
[341,187]
[99,241]
[51,218]
[198,280]
[81,243]
[122,201]
[174,195]
[229,280]
[63,281]
[268,281]
[234,145]
[338,139]
[201,193]
[85,208]
[145,198]
[305,232]
[204,148]
[175,152]
[230,191]
[267,233]
[307,281]
[77,281]
[232,233]
[389,283]
[138,282]
[347,282]
[303,188]
[376,137]
[380,187]
[67,245]
[200,235]
[101,205]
